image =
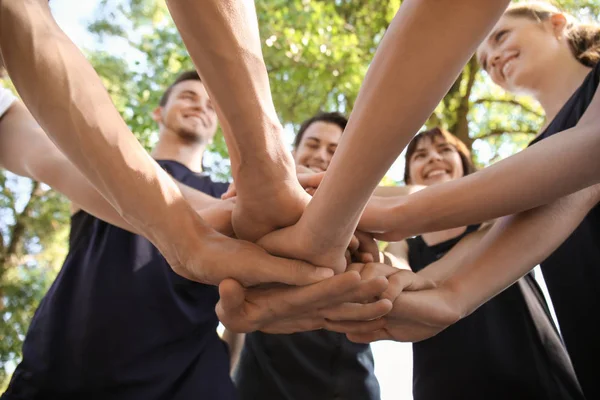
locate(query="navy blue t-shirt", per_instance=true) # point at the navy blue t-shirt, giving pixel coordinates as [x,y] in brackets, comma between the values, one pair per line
[507,349]
[119,324]
[572,272]
[316,365]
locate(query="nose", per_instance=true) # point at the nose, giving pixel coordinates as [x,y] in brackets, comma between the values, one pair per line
[494,57]
[434,156]
[321,154]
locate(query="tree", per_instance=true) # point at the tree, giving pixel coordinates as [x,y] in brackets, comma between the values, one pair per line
[317,53]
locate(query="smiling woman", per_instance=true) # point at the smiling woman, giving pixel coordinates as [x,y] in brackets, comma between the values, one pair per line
[496,352]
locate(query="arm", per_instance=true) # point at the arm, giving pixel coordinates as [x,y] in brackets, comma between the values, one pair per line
[511,248]
[223,40]
[75,110]
[393,191]
[391,107]
[377,131]
[26,150]
[67,98]
[553,167]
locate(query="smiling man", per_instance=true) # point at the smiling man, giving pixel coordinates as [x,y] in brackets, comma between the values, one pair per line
[317,139]
[118,323]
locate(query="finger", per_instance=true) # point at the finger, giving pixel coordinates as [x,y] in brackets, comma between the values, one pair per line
[365,257]
[358,311]
[230,192]
[282,270]
[295,301]
[230,307]
[311,179]
[369,336]
[353,327]
[409,281]
[366,291]
[354,244]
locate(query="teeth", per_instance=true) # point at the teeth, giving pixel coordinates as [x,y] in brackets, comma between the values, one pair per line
[436,173]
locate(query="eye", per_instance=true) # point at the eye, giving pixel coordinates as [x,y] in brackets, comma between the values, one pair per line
[418,156]
[500,35]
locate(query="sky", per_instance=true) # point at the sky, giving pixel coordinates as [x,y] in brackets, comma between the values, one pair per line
[393,361]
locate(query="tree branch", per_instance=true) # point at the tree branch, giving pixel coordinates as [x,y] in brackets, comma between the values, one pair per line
[18,229]
[500,132]
[511,102]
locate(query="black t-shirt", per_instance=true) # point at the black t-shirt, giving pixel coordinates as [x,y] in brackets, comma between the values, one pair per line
[317,365]
[496,353]
[572,272]
[119,324]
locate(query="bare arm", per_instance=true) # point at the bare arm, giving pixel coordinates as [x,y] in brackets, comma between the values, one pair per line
[223,40]
[67,98]
[512,247]
[401,89]
[517,243]
[392,191]
[27,151]
[554,167]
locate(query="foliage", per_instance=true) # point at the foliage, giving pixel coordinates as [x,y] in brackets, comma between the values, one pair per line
[317,53]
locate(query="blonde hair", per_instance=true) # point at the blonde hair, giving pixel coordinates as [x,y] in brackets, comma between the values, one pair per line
[584,39]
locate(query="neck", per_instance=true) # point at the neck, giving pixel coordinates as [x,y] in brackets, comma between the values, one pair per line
[173,147]
[433,238]
[554,91]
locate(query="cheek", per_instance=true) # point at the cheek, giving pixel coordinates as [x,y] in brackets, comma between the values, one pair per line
[416,169]
[301,155]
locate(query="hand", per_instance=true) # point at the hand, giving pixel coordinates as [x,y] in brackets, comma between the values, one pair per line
[420,309]
[294,309]
[299,242]
[218,216]
[203,255]
[367,251]
[309,180]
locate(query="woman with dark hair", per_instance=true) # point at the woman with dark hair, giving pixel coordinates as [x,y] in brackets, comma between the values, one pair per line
[534,49]
[508,348]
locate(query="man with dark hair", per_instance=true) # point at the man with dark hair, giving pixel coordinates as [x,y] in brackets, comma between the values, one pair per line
[308,365]
[77,113]
[118,323]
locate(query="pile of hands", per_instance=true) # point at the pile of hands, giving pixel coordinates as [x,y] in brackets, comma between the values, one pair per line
[277,275]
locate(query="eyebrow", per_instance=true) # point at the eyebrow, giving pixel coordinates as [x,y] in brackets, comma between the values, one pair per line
[188,91]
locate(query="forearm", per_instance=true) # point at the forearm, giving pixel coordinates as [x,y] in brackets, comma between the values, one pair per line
[393,191]
[223,40]
[515,245]
[554,167]
[63,92]
[393,105]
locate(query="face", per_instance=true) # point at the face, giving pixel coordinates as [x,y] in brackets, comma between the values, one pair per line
[434,162]
[520,51]
[189,112]
[317,145]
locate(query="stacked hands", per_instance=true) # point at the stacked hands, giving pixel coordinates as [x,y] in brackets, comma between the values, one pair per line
[284,278]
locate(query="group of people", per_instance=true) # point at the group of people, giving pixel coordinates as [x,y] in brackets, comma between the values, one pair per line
[159,253]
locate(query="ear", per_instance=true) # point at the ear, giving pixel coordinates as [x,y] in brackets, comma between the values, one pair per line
[157,115]
[558,23]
